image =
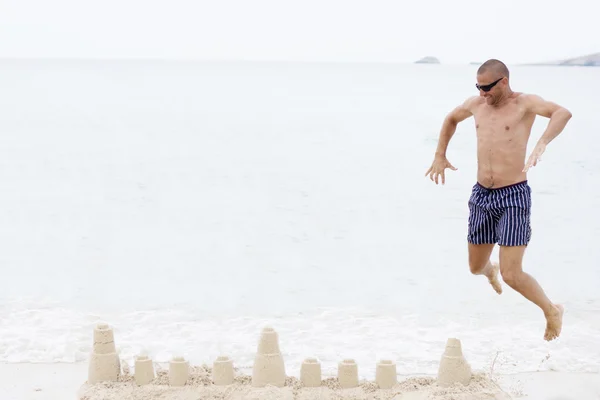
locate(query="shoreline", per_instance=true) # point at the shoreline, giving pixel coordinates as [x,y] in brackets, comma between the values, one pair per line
[58,381]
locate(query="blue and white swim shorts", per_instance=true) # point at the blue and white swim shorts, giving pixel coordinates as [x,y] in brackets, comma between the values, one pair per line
[500,215]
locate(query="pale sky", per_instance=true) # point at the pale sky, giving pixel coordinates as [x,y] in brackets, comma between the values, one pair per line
[456,31]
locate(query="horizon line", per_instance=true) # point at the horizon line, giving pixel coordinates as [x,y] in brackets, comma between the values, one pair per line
[269,61]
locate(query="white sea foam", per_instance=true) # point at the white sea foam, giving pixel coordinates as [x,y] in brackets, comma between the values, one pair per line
[415,342]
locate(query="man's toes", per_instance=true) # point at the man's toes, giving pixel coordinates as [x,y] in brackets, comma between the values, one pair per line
[550,334]
[498,287]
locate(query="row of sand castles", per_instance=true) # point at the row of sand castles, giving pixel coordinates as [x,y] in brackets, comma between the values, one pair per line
[268,368]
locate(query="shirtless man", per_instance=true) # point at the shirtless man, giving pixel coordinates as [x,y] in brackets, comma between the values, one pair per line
[500,202]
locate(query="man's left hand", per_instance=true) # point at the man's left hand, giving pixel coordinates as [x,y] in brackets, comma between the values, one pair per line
[534,158]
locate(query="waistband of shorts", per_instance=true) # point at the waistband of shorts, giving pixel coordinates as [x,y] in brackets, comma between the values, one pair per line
[522,183]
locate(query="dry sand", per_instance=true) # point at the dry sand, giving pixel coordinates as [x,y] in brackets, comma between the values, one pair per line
[64,381]
[199,387]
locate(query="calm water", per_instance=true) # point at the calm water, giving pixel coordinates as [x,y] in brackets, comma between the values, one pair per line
[190,204]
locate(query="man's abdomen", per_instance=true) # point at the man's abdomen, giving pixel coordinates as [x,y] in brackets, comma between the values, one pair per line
[501,166]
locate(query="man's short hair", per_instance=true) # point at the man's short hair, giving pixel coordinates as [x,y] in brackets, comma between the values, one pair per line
[496,66]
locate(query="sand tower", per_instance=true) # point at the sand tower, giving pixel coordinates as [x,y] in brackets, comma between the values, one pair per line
[144,370]
[223,371]
[453,365]
[385,374]
[348,373]
[104,361]
[310,372]
[179,371]
[268,363]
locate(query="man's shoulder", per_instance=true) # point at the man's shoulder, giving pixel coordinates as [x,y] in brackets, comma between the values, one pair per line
[526,98]
[473,101]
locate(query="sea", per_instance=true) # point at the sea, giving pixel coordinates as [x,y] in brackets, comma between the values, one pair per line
[189,204]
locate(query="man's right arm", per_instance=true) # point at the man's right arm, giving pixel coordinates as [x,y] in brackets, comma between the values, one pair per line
[458,114]
[440,162]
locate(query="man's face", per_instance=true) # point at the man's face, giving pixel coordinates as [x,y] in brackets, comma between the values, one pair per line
[491,86]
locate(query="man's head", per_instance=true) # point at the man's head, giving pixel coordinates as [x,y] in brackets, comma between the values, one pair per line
[492,81]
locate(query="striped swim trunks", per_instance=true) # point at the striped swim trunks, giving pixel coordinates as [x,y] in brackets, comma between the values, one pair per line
[500,215]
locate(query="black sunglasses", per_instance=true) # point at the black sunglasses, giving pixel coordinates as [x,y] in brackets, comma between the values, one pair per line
[488,87]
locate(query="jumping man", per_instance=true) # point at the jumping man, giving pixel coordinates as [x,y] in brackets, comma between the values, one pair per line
[500,202]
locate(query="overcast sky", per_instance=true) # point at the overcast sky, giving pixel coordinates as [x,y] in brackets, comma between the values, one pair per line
[457,31]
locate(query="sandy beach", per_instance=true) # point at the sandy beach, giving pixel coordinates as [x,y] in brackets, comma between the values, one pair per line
[67,381]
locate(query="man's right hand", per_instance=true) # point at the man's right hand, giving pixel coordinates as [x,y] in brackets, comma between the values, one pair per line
[438,167]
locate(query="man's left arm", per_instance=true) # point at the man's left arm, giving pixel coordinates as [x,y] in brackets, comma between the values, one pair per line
[559,116]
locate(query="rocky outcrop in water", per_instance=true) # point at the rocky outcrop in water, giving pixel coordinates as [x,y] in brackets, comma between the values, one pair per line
[428,60]
[590,60]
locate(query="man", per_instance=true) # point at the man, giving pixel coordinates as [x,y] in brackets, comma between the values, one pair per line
[500,202]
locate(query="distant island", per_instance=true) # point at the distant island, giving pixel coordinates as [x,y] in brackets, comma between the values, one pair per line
[590,60]
[428,60]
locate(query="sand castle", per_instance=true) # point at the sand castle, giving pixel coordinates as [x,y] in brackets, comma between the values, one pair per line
[144,370]
[385,374]
[453,365]
[268,368]
[348,374]
[268,363]
[310,373]
[179,371]
[223,371]
[105,364]
[268,372]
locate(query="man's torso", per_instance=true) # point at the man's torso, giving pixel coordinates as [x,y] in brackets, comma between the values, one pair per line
[502,136]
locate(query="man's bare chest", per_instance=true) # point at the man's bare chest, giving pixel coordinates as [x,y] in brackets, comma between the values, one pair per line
[500,125]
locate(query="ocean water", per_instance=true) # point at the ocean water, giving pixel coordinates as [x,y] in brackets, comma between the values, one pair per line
[190,204]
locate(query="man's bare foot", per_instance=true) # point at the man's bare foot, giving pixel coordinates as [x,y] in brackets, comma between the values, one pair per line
[492,276]
[554,323]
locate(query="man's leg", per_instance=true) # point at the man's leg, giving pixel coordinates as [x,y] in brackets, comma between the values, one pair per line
[481,237]
[514,234]
[480,264]
[511,268]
